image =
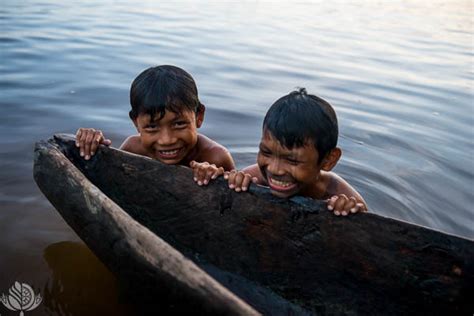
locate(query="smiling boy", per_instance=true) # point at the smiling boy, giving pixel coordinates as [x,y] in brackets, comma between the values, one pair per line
[297,153]
[166,112]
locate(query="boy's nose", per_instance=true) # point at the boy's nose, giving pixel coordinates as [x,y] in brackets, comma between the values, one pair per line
[166,137]
[274,167]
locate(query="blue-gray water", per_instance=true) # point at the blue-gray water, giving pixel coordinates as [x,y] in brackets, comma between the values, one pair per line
[399,74]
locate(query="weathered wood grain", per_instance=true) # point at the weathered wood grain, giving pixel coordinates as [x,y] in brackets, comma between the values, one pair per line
[271,252]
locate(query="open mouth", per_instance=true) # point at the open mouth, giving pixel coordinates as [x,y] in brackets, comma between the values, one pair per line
[169,154]
[281,186]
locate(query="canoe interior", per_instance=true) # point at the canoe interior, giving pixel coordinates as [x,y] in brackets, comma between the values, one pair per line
[295,257]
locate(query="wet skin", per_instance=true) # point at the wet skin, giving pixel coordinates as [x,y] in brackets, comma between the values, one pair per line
[291,171]
[170,139]
[174,139]
[288,172]
[296,171]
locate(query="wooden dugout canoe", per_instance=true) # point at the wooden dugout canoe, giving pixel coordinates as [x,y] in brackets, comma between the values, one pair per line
[223,252]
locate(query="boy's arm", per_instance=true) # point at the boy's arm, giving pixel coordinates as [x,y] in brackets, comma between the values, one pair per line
[221,157]
[344,199]
[214,153]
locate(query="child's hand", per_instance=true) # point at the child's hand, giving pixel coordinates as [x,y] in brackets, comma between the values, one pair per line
[342,205]
[203,172]
[238,180]
[88,139]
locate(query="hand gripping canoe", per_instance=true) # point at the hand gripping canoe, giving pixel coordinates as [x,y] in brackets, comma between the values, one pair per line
[279,256]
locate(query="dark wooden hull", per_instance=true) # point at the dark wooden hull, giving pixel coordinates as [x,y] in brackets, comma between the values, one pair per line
[279,256]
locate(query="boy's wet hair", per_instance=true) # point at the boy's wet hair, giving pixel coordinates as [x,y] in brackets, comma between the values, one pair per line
[162,88]
[299,117]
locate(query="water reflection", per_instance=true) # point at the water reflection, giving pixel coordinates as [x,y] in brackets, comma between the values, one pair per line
[396,72]
[80,284]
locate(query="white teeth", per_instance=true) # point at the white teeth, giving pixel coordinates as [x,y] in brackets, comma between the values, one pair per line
[280,183]
[169,152]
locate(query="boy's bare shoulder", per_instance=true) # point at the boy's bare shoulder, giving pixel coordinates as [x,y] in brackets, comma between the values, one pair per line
[214,153]
[133,144]
[336,185]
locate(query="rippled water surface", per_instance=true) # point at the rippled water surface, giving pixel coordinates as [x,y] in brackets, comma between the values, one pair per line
[399,74]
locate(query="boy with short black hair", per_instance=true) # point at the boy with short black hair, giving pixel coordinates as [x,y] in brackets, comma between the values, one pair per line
[166,112]
[297,153]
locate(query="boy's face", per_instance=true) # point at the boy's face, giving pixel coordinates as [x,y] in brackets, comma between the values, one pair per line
[288,171]
[171,139]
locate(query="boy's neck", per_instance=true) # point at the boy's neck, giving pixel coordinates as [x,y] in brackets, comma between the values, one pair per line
[193,154]
[319,189]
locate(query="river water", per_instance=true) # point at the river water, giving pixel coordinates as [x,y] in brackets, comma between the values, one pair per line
[399,74]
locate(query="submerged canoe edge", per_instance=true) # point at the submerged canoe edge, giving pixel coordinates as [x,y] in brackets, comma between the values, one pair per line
[280,257]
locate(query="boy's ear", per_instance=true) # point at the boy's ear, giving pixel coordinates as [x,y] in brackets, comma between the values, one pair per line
[331,159]
[200,115]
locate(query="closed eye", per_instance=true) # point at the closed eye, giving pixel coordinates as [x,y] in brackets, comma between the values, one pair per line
[293,161]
